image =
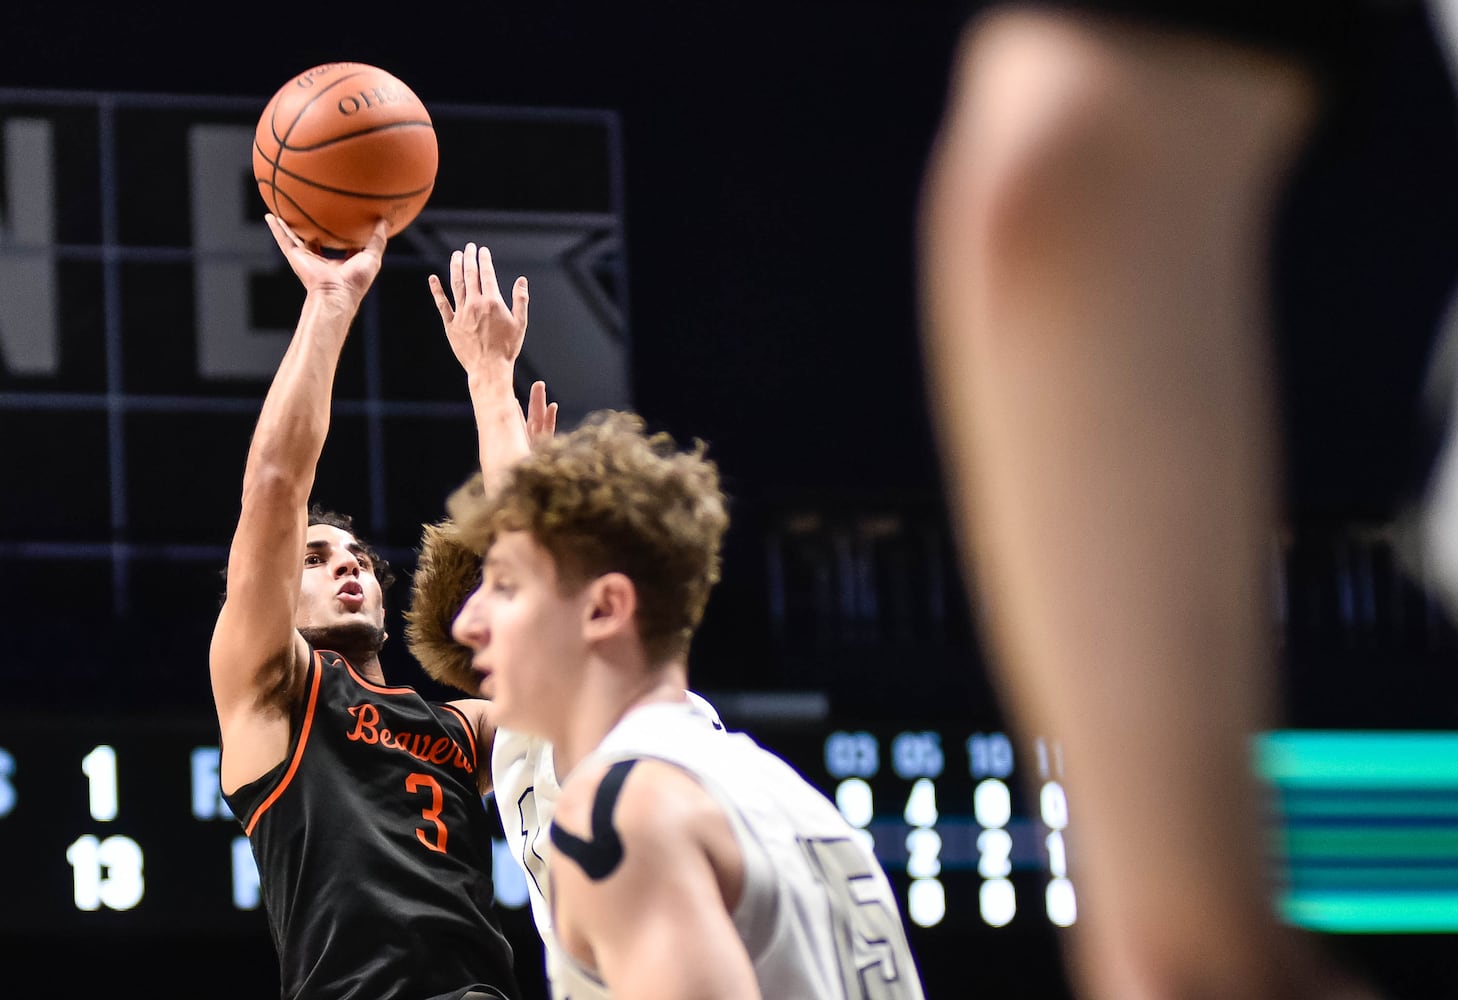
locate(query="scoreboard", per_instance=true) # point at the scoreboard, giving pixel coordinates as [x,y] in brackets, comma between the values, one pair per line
[947,817]
[109,824]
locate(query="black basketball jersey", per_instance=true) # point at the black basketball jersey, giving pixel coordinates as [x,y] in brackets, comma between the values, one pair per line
[373,846]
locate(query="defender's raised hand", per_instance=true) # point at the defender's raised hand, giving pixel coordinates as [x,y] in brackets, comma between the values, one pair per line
[478,323]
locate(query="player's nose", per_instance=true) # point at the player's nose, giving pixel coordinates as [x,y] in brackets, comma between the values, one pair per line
[469,627]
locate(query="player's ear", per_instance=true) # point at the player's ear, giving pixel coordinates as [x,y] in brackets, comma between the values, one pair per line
[612,601]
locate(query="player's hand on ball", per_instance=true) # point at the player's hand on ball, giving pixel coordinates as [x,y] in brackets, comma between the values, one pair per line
[349,276]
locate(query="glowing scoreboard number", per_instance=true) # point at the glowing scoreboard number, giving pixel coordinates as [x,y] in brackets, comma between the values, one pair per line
[948,821]
[130,830]
[990,763]
[917,757]
[853,759]
[109,872]
[105,872]
[1059,898]
[107,825]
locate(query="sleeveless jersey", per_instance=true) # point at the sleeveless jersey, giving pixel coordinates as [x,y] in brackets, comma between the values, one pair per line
[373,847]
[524,780]
[818,915]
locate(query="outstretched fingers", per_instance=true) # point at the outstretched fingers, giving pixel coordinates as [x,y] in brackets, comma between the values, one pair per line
[486,269]
[458,275]
[442,304]
[519,300]
[541,416]
[471,270]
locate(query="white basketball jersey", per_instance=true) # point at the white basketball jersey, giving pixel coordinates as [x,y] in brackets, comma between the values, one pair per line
[818,915]
[524,780]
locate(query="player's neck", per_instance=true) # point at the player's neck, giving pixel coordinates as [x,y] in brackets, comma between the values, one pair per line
[370,669]
[604,700]
[357,644]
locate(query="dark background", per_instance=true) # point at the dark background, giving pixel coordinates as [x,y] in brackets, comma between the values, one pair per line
[773,156]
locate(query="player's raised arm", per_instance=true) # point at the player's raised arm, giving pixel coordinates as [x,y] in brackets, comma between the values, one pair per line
[257,654]
[486,336]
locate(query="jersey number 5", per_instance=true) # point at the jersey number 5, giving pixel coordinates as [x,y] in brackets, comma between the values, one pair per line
[868,931]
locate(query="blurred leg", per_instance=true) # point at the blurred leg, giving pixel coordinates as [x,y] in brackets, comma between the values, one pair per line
[1430,530]
[1096,228]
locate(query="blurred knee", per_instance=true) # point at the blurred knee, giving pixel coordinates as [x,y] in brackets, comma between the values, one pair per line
[1065,127]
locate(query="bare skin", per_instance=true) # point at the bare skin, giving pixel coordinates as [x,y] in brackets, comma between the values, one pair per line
[566,661]
[284,575]
[258,655]
[487,339]
[1095,231]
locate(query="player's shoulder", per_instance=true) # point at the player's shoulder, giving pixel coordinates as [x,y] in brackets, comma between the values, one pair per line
[636,796]
[705,710]
[478,713]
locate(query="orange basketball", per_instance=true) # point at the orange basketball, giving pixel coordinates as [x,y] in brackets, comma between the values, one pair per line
[340,147]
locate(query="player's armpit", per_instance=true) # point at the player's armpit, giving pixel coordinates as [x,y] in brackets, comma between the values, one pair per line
[480,716]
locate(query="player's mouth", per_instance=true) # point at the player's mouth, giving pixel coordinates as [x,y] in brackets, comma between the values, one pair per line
[483,675]
[351,595]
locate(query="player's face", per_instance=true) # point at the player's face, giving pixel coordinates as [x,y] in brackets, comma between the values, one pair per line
[339,587]
[527,635]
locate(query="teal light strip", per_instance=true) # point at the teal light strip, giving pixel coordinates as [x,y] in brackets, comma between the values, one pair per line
[1369,845]
[1373,912]
[1366,845]
[1302,758]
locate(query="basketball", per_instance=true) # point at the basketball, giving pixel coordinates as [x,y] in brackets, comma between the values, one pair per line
[340,147]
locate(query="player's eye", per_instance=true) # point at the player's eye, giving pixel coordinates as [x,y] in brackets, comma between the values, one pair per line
[313,559]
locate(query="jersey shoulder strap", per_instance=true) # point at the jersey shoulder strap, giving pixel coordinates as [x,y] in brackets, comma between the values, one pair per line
[600,855]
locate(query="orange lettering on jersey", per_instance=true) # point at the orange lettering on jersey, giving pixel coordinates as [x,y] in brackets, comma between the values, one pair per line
[421,746]
[366,718]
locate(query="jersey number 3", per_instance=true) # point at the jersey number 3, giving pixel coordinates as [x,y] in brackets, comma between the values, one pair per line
[425,783]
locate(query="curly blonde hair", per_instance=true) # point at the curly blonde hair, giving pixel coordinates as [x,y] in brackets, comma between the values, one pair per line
[610,497]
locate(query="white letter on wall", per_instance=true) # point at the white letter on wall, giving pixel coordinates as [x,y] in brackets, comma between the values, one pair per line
[29,331]
[229,250]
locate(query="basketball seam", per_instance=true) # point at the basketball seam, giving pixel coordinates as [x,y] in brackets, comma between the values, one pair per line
[372,130]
